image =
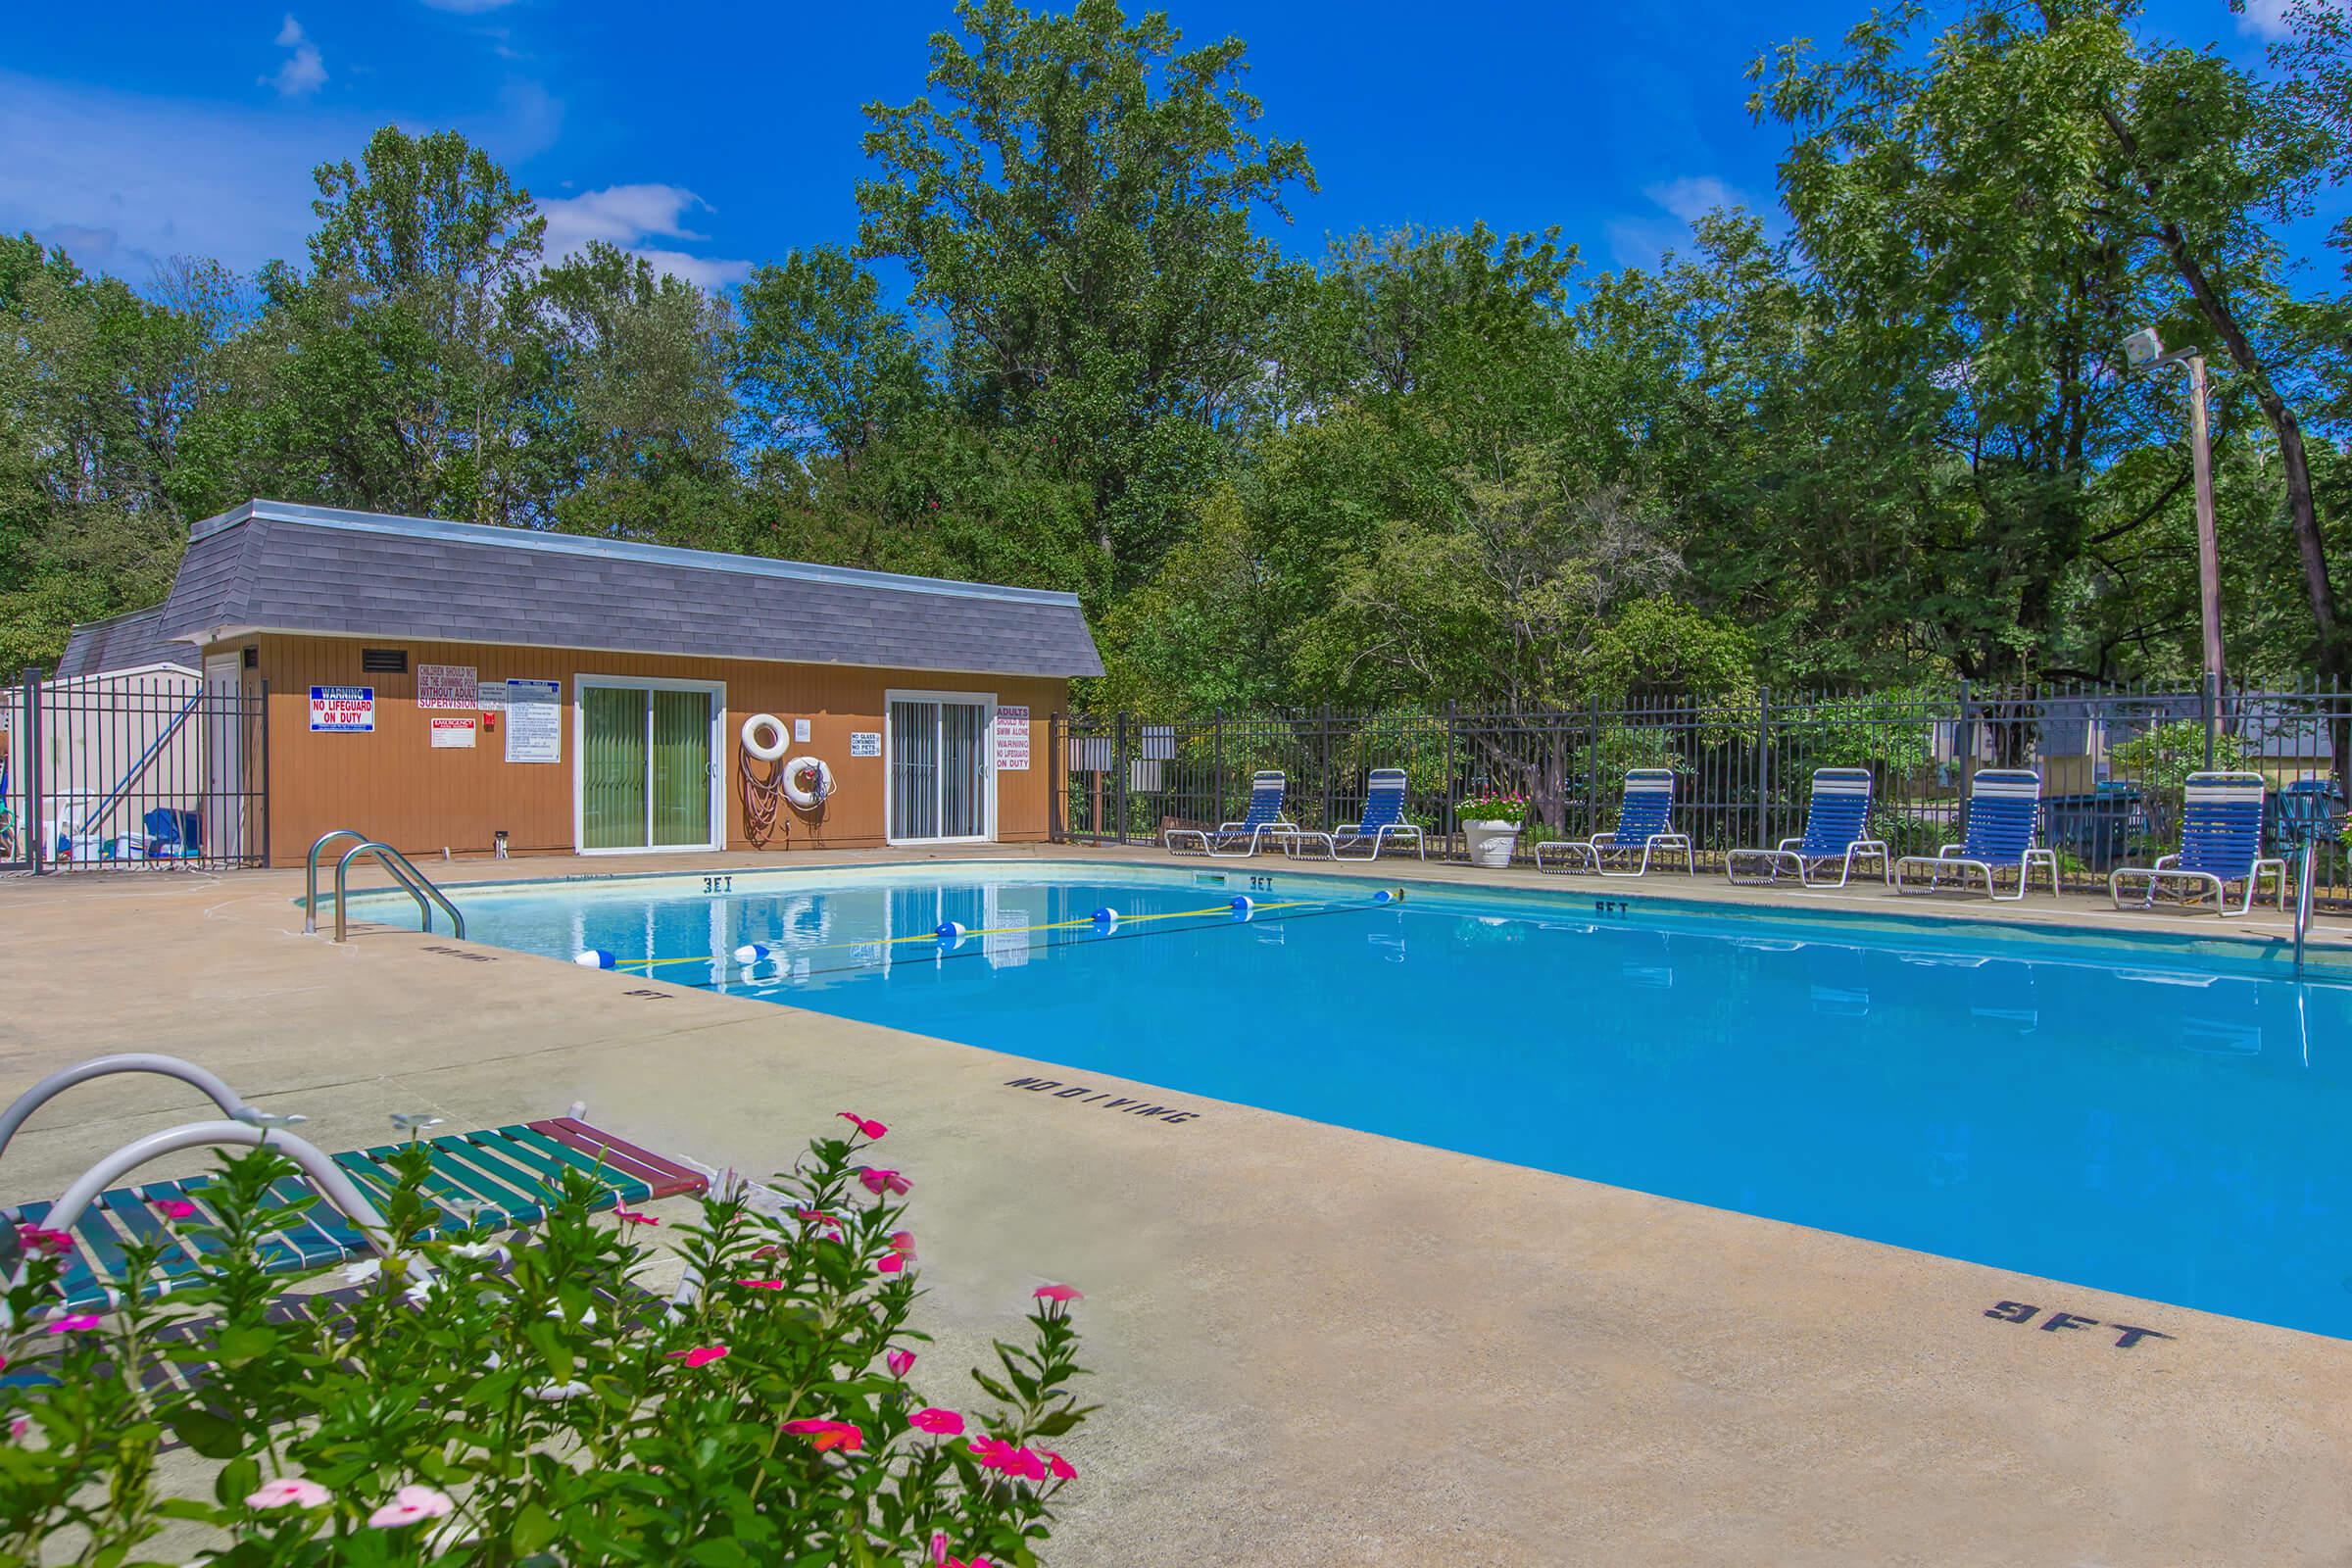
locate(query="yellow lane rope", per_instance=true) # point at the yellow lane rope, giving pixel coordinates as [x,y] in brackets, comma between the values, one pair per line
[986,931]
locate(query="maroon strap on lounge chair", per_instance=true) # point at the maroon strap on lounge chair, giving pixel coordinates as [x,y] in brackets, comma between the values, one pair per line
[666,1179]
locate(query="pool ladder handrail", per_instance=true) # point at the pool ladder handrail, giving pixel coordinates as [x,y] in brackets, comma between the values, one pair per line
[310,882]
[413,882]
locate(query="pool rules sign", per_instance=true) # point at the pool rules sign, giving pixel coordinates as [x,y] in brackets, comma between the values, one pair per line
[1012,739]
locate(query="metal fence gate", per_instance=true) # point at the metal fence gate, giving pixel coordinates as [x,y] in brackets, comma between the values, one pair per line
[2112,763]
[145,771]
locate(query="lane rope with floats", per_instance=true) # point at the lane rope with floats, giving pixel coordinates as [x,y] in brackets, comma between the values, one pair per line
[950,936]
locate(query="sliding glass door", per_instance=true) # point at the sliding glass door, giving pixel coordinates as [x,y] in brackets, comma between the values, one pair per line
[647,765]
[942,779]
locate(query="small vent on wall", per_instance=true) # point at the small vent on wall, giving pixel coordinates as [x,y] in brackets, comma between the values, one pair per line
[253,656]
[384,660]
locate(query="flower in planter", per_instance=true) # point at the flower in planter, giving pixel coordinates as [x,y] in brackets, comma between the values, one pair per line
[871,1129]
[823,1435]
[410,1506]
[175,1209]
[72,1323]
[700,1355]
[1059,1294]
[940,1423]
[879,1181]
[899,1362]
[289,1492]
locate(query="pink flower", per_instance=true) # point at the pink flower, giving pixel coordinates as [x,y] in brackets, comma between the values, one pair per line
[1062,1469]
[871,1129]
[1025,1464]
[878,1180]
[288,1491]
[818,1216]
[992,1454]
[761,1285]
[941,1559]
[899,1362]
[629,1216]
[181,1209]
[938,1421]
[74,1323]
[824,1435]
[902,1241]
[409,1505]
[33,1238]
[1060,1293]
[700,1355]
[889,1263]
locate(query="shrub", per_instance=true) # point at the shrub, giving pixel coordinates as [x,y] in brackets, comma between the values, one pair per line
[475,1402]
[1492,809]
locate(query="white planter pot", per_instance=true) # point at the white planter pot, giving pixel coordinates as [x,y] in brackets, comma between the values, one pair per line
[1490,843]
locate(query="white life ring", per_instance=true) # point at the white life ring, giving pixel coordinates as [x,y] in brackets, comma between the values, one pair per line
[766,751]
[806,799]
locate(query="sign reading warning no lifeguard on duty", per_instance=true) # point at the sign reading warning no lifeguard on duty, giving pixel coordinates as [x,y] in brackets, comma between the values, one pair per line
[345,709]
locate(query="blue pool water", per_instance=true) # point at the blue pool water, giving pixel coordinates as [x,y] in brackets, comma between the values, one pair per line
[2139,1115]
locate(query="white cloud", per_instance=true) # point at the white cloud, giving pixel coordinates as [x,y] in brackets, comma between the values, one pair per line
[2264,19]
[627,216]
[303,73]
[1639,240]
[1693,196]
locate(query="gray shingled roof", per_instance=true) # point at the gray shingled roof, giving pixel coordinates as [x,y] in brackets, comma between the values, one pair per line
[271,566]
[130,641]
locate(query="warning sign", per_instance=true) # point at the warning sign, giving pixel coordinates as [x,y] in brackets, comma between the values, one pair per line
[534,721]
[865,743]
[1012,739]
[445,686]
[343,710]
[453,731]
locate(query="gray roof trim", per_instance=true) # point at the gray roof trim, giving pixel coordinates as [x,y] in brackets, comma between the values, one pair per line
[474,533]
[410,637]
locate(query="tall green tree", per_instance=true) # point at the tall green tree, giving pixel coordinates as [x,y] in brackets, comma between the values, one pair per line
[1073,197]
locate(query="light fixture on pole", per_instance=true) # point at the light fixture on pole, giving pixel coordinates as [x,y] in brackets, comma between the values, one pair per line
[2145,350]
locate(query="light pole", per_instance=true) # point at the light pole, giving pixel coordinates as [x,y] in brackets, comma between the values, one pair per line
[2145,350]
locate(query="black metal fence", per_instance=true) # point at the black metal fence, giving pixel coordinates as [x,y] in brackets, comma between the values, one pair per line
[144,771]
[2112,763]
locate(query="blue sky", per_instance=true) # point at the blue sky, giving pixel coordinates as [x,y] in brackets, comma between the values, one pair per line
[710,137]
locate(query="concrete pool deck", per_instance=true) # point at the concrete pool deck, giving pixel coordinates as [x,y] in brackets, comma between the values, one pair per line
[1315,1346]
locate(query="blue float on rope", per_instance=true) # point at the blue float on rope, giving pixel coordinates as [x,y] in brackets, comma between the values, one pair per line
[1108,918]
[595,958]
[1386,895]
[950,933]
[1243,906]
[751,952]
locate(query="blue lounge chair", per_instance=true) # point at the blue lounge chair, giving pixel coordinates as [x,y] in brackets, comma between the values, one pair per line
[1836,819]
[2221,843]
[2004,805]
[1382,820]
[1645,825]
[1264,821]
[483,1181]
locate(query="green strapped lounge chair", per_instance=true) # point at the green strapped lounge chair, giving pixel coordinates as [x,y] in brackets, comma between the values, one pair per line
[485,1180]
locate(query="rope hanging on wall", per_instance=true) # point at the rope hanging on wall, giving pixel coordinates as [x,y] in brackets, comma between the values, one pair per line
[762,796]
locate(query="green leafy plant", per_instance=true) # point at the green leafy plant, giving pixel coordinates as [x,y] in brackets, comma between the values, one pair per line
[475,1401]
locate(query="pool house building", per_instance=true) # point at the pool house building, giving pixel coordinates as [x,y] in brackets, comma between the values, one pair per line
[445,685]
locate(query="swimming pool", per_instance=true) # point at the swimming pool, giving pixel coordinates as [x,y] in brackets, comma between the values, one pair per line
[2141,1115]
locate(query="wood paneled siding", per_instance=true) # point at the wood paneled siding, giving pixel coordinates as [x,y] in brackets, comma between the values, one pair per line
[394,784]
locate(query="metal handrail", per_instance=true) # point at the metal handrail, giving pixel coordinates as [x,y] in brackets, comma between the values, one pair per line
[418,884]
[310,885]
[2303,903]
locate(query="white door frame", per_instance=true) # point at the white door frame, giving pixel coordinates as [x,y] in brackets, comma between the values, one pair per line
[986,702]
[223,811]
[717,691]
